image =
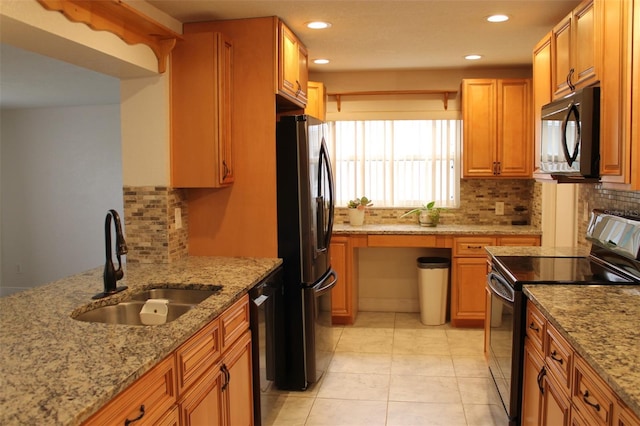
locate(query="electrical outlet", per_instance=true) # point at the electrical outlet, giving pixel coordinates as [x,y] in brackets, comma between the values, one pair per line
[499,208]
[178,214]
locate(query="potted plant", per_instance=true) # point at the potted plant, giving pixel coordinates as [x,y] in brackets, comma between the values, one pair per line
[357,207]
[428,214]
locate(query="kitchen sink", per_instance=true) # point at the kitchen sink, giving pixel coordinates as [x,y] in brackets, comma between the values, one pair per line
[181,300]
[177,295]
[128,313]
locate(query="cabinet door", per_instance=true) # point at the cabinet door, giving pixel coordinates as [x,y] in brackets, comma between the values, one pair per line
[555,405]
[317,100]
[515,143]
[541,90]
[201,73]
[468,291]
[531,392]
[293,67]
[479,127]
[583,49]
[561,62]
[202,405]
[339,294]
[238,387]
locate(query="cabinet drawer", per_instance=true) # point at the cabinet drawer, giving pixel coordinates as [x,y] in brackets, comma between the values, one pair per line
[472,247]
[401,241]
[234,322]
[520,240]
[149,398]
[591,396]
[535,327]
[558,358]
[198,354]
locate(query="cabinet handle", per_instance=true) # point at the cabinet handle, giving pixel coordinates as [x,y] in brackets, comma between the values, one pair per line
[474,247]
[541,375]
[533,327]
[569,78]
[226,169]
[498,167]
[553,355]
[227,376]
[127,422]
[585,397]
[299,88]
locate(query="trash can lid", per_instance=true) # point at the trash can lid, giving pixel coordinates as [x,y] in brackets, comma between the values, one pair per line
[433,262]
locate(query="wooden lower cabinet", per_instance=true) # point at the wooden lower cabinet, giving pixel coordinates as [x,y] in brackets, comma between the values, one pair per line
[344,261]
[198,384]
[567,392]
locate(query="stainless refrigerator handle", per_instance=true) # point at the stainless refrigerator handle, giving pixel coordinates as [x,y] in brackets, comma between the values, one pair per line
[327,165]
[331,283]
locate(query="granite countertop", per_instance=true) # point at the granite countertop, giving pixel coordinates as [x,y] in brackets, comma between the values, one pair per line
[537,251]
[601,323]
[416,229]
[55,370]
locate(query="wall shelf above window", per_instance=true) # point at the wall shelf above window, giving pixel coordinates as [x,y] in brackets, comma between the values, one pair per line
[122,20]
[445,94]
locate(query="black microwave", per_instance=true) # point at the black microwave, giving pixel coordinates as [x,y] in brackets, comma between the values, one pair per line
[570,135]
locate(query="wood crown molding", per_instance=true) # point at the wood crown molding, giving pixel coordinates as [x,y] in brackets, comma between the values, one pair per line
[122,20]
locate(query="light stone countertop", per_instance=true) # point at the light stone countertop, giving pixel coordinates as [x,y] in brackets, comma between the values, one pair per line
[537,251]
[55,370]
[458,230]
[602,323]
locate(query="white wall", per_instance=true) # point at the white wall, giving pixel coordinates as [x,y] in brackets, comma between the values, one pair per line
[61,170]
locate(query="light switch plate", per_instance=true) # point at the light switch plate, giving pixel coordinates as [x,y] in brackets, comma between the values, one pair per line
[499,208]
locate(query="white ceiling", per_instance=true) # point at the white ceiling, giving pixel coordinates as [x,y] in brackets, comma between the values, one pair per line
[365,35]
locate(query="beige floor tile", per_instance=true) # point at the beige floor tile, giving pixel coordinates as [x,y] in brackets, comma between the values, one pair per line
[485,415]
[412,320]
[372,387]
[375,319]
[420,342]
[478,391]
[422,365]
[425,414]
[343,412]
[370,340]
[357,362]
[285,410]
[470,366]
[442,390]
[468,342]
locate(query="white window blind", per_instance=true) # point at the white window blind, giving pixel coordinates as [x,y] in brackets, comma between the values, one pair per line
[397,163]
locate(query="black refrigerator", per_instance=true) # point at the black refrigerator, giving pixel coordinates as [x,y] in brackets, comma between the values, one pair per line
[305,191]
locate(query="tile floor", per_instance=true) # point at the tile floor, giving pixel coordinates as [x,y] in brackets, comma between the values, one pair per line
[390,370]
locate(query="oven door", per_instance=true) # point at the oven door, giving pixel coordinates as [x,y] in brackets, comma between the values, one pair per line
[506,316]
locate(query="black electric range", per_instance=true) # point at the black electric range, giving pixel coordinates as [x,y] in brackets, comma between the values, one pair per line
[613,260]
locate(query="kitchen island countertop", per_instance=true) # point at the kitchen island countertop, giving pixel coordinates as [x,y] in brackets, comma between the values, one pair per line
[601,323]
[55,370]
[457,230]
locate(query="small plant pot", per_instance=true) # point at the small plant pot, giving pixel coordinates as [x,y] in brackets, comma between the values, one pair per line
[356,217]
[427,218]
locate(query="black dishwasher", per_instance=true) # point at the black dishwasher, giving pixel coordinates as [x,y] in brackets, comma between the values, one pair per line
[266,334]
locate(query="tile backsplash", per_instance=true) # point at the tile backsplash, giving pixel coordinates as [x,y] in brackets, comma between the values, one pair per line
[477,205]
[150,224]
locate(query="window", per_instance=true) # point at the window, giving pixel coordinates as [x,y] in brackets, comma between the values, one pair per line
[397,163]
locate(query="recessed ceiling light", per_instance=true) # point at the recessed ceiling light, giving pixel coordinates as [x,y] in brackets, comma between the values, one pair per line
[318,25]
[321,61]
[473,57]
[497,18]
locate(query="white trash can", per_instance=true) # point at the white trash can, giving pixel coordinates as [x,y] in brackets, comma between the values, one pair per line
[433,281]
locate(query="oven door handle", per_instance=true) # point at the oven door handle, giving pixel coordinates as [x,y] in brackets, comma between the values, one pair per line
[500,287]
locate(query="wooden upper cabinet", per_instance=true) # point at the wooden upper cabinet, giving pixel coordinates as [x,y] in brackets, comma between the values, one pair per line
[293,67]
[497,131]
[201,104]
[541,90]
[613,35]
[316,100]
[573,47]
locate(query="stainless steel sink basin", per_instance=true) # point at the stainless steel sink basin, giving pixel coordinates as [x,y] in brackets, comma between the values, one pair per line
[129,313]
[177,295]
[181,300]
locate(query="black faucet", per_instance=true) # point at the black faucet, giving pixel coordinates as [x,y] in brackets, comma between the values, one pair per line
[112,275]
